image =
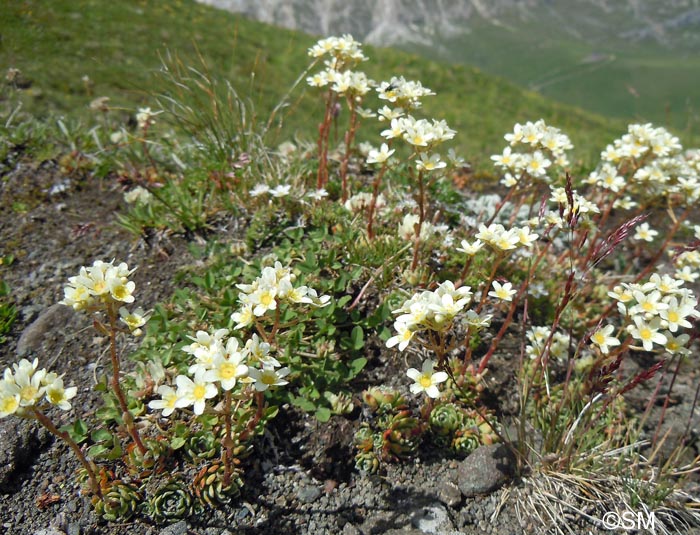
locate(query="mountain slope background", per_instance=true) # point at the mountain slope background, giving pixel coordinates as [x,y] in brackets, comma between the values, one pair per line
[118,47]
[633,59]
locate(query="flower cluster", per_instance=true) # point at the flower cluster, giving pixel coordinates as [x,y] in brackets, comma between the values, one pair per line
[353,83]
[24,386]
[105,286]
[275,285]
[653,159]
[687,265]
[432,311]
[421,134]
[408,224]
[146,117]
[538,336]
[540,146]
[658,309]
[344,53]
[220,362]
[344,48]
[403,94]
[499,238]
[138,195]
[359,202]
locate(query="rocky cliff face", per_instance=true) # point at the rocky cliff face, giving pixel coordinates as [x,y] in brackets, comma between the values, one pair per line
[671,23]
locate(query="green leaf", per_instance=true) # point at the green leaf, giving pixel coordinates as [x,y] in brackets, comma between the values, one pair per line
[177,442]
[343,301]
[357,336]
[78,432]
[98,450]
[101,435]
[357,365]
[296,233]
[323,414]
[304,404]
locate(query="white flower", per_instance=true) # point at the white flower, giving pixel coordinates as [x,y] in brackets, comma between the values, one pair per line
[227,369]
[57,395]
[9,398]
[317,194]
[244,317]
[429,163]
[194,392]
[645,233]
[677,344]
[134,320]
[426,380]
[676,313]
[121,289]
[504,291]
[268,376]
[381,155]
[647,332]
[470,248]
[168,400]
[29,380]
[403,336]
[281,191]
[259,189]
[145,117]
[603,339]
[138,195]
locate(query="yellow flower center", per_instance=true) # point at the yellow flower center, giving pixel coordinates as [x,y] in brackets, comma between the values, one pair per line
[673,316]
[269,378]
[28,393]
[648,306]
[120,292]
[55,396]
[425,381]
[266,299]
[99,287]
[645,334]
[199,391]
[598,338]
[227,370]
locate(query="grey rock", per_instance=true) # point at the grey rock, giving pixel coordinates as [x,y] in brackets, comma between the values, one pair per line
[179,528]
[308,494]
[488,468]
[432,519]
[349,529]
[20,442]
[73,529]
[449,493]
[53,318]
[49,531]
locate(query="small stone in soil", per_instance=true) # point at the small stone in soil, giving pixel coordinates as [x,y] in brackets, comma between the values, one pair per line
[432,519]
[308,494]
[179,528]
[449,493]
[33,336]
[485,470]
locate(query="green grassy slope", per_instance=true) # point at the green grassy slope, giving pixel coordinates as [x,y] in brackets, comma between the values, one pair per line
[117,44]
[641,81]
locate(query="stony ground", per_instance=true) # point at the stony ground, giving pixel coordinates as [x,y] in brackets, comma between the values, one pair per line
[301,479]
